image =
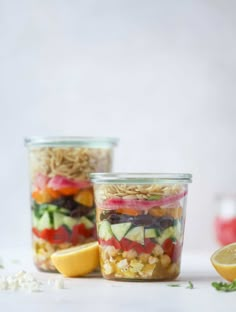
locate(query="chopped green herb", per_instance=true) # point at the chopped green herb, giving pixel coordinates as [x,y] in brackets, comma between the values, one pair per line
[1,266]
[190,285]
[174,285]
[227,287]
[154,197]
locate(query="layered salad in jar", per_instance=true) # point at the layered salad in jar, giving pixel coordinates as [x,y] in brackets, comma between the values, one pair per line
[140,229]
[62,199]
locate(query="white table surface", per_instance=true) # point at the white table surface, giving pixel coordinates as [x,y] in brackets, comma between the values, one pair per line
[97,294]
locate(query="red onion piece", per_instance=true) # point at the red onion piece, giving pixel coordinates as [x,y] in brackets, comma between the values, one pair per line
[140,204]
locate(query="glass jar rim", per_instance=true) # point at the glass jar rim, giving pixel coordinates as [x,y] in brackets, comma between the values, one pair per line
[141,178]
[74,141]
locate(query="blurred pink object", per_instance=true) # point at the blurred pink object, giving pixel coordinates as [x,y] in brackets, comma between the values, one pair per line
[225,220]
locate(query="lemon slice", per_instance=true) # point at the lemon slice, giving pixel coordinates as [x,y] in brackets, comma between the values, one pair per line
[224,261]
[77,261]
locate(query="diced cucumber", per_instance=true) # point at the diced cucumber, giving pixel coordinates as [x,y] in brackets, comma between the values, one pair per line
[60,219]
[170,232]
[136,234]
[151,233]
[35,221]
[69,222]
[88,224]
[57,219]
[44,222]
[120,229]
[104,230]
[52,208]
[64,211]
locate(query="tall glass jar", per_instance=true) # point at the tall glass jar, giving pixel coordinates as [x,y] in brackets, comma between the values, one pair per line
[140,223]
[62,199]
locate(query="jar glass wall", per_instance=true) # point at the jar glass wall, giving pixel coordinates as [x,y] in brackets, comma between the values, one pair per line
[62,199]
[140,224]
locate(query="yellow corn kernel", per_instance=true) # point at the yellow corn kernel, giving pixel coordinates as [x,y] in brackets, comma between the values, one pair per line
[147,270]
[136,266]
[130,274]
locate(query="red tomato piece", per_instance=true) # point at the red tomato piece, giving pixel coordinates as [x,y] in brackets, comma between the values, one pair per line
[60,235]
[110,242]
[148,246]
[95,232]
[125,244]
[80,232]
[115,243]
[138,247]
[168,247]
[74,239]
[176,252]
[36,232]
[47,234]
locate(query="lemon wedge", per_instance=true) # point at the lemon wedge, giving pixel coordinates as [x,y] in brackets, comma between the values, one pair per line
[224,261]
[77,261]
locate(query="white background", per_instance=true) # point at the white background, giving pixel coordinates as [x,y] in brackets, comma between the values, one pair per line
[160,75]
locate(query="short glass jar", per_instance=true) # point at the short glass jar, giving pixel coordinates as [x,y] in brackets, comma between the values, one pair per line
[62,199]
[140,224]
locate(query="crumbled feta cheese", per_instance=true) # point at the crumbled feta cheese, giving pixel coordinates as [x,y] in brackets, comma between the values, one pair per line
[107,268]
[59,283]
[56,283]
[136,266]
[123,264]
[21,280]
[27,282]
[111,251]
[50,282]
